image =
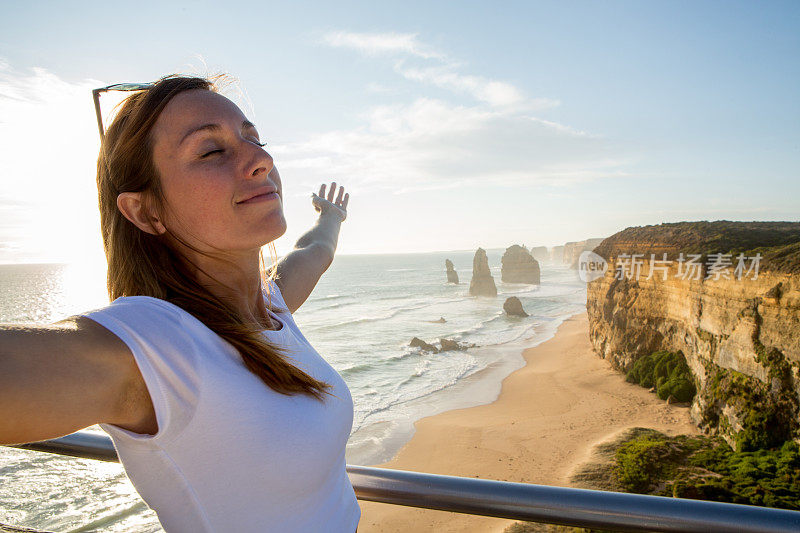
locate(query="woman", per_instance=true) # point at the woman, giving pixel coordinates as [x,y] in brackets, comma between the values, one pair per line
[223,415]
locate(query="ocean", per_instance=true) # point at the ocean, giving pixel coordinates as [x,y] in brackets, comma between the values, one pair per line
[361,317]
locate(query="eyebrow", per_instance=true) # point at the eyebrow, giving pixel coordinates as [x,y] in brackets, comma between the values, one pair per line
[214,127]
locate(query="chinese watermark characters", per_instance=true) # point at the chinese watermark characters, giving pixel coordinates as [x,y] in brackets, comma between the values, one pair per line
[689,267]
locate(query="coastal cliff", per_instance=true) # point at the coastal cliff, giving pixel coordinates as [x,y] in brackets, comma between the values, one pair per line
[724,294]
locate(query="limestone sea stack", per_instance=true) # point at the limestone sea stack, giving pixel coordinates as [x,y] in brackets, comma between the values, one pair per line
[513,307]
[540,253]
[482,283]
[557,254]
[519,266]
[452,275]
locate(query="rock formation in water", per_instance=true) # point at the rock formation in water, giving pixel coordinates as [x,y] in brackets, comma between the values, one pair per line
[540,253]
[448,345]
[734,315]
[513,307]
[518,266]
[482,283]
[557,254]
[416,342]
[452,275]
[573,251]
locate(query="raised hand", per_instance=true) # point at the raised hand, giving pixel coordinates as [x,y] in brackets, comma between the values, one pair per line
[338,206]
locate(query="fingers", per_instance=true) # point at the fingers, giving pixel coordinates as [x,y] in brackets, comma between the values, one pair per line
[341,200]
[331,192]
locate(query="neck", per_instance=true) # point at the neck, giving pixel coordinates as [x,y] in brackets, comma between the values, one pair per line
[235,279]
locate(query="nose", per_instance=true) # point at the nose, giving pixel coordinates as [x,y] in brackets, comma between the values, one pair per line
[260,162]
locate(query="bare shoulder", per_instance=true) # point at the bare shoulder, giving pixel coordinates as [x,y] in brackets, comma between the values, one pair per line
[133,407]
[127,399]
[91,338]
[59,378]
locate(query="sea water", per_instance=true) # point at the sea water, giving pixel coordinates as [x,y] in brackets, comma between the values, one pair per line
[361,317]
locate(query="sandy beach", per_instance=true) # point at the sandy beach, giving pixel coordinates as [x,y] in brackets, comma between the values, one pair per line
[546,421]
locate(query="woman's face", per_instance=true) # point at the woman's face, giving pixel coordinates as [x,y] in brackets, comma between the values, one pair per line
[211,165]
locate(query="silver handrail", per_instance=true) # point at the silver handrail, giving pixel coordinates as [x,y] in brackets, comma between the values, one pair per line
[518,501]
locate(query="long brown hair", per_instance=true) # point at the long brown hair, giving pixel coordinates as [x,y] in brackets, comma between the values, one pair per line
[142,264]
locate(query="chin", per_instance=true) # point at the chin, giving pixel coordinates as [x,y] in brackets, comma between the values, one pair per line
[271,236]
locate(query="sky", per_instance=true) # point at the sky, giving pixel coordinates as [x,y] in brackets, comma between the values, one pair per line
[453,125]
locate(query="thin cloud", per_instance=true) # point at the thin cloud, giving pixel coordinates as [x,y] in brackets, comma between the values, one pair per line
[443,73]
[375,44]
[494,93]
[430,144]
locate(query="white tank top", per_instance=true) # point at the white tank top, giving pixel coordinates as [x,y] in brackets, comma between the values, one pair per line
[231,454]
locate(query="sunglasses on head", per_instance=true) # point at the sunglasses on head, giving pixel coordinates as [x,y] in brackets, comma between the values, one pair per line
[115,87]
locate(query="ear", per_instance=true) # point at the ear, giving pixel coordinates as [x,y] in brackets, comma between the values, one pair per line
[132,206]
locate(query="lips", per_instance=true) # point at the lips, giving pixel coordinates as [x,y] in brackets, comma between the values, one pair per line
[262,194]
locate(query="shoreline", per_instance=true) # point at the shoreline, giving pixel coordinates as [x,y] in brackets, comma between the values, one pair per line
[545,423]
[481,387]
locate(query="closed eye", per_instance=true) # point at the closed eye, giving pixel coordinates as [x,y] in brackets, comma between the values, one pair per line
[220,150]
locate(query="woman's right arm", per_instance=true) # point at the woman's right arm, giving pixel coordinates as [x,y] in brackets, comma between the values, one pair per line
[63,377]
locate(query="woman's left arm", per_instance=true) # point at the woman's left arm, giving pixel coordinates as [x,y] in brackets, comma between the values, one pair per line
[300,270]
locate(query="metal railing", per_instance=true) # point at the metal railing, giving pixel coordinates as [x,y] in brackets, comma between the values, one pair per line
[518,501]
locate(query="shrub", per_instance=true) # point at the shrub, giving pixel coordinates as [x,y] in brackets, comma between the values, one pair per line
[668,372]
[639,462]
[681,388]
[706,468]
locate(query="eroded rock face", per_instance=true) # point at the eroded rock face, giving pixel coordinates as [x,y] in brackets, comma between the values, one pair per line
[519,266]
[452,275]
[722,326]
[557,254]
[513,307]
[482,283]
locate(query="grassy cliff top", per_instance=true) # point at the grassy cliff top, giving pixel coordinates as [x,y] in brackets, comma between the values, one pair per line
[778,242]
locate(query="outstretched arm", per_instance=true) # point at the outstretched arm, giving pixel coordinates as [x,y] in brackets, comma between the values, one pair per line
[300,270]
[60,378]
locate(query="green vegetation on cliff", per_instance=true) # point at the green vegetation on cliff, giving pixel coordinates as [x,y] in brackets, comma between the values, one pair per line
[667,372]
[706,468]
[697,467]
[766,415]
[778,242]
